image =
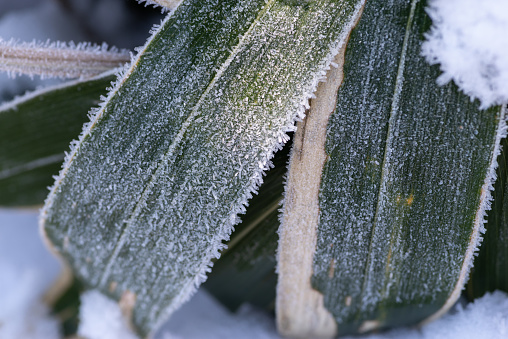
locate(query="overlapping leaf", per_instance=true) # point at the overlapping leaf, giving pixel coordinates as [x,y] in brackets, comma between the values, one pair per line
[156,181]
[245,272]
[35,131]
[405,183]
[490,271]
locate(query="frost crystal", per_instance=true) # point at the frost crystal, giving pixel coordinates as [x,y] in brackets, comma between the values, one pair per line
[59,59]
[469,41]
[167,5]
[158,177]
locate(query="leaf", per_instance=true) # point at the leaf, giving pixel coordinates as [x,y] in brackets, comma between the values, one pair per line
[399,204]
[157,179]
[35,130]
[59,59]
[245,272]
[490,266]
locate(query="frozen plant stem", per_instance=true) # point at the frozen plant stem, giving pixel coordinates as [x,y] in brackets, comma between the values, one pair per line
[58,59]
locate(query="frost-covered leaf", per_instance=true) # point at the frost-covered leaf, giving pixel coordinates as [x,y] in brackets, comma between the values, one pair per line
[157,179]
[245,272]
[59,59]
[408,169]
[490,271]
[35,131]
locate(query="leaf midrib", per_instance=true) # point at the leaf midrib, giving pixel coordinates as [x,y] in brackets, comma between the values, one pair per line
[394,107]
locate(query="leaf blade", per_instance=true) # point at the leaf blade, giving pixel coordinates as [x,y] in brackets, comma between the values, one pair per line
[226,97]
[35,130]
[406,181]
[489,271]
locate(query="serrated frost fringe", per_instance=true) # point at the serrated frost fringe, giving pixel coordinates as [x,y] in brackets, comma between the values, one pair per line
[59,59]
[257,178]
[480,219]
[95,115]
[166,5]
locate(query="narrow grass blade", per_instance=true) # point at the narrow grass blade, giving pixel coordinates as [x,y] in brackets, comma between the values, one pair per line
[408,167]
[59,59]
[156,181]
[35,131]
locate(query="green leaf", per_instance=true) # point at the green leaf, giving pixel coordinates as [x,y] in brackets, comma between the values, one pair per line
[389,234]
[245,272]
[158,178]
[490,271]
[35,130]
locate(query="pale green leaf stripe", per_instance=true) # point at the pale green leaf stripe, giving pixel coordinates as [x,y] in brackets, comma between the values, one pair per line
[405,188]
[156,181]
[35,131]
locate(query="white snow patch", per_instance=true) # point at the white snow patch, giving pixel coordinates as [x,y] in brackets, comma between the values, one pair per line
[27,270]
[487,317]
[470,42]
[204,317]
[101,318]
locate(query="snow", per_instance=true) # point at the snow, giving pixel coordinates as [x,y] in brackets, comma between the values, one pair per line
[487,317]
[101,317]
[469,41]
[27,270]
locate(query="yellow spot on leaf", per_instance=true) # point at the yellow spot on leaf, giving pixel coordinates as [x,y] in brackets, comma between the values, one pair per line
[409,200]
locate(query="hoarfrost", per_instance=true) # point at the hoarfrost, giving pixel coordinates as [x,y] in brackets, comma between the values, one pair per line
[59,59]
[486,317]
[396,137]
[469,41]
[41,20]
[166,5]
[202,317]
[176,125]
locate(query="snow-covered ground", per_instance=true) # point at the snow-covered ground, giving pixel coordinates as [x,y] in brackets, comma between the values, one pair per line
[27,269]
